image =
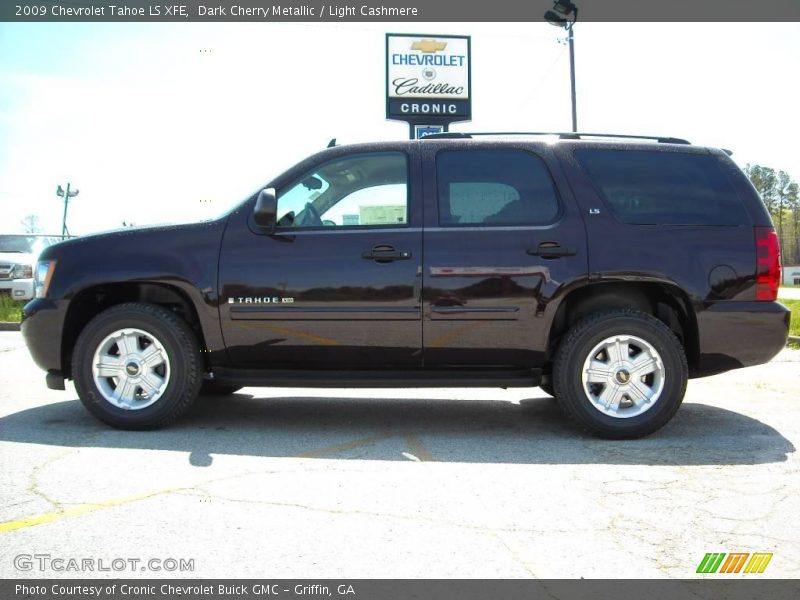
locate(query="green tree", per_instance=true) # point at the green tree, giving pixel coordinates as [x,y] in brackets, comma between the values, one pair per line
[780,196]
[765,181]
[783,181]
[793,202]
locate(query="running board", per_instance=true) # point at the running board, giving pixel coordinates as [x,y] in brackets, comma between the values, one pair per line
[379,379]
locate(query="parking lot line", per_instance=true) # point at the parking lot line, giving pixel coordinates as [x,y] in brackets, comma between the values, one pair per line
[84,509]
[79,511]
[417,449]
[345,446]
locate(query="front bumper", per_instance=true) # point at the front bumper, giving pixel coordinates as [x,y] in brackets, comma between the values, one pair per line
[42,329]
[18,289]
[733,335]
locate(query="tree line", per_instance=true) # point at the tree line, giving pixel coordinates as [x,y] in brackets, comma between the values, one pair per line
[781,196]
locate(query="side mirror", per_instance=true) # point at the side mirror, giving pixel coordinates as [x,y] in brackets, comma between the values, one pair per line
[266,210]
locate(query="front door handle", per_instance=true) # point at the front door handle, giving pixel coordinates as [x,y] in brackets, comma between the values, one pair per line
[384,254]
[551,250]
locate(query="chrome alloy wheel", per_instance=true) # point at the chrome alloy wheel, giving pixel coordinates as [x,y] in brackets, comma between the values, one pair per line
[623,376]
[131,369]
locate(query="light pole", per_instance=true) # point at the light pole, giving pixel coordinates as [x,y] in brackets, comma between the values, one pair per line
[565,14]
[66,195]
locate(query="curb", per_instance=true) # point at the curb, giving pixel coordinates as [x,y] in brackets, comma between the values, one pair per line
[795,339]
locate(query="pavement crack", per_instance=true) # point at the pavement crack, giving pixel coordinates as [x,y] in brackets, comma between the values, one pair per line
[33,480]
[379,514]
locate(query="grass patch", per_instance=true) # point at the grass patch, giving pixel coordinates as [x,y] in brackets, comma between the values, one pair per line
[794,306]
[10,310]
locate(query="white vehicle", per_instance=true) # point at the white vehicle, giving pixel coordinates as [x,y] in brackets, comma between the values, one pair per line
[18,256]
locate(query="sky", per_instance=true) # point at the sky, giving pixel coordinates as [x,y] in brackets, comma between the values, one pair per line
[162,122]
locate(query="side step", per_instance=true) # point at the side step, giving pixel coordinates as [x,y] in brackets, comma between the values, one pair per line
[379,378]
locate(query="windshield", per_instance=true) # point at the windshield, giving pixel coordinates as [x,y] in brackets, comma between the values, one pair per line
[25,244]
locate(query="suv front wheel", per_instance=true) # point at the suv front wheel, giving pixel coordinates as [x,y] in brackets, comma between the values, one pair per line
[137,366]
[620,374]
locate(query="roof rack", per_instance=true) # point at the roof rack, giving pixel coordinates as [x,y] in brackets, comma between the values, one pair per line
[561,135]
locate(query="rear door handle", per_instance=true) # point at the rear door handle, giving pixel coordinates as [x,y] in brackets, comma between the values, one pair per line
[551,250]
[385,254]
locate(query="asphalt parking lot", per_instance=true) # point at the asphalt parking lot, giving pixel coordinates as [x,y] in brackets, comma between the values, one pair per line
[399,484]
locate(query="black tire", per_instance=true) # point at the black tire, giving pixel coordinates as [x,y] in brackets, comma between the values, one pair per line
[583,338]
[213,388]
[179,344]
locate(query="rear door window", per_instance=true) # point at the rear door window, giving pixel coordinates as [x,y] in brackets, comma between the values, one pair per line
[494,188]
[663,188]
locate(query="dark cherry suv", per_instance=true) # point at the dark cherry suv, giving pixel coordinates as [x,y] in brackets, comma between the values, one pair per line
[605,269]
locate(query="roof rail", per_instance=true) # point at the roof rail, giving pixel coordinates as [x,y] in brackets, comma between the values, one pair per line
[561,135]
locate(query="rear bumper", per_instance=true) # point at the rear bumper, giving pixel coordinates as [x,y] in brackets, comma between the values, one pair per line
[18,289]
[733,335]
[42,327]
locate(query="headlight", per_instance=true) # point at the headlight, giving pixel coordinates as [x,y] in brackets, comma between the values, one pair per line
[22,272]
[44,273]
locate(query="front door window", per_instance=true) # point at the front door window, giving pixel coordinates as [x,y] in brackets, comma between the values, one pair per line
[365,190]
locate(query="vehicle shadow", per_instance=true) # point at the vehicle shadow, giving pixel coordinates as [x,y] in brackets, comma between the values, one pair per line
[534,431]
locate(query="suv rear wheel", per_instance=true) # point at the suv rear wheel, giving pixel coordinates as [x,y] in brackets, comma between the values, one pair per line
[137,366]
[620,374]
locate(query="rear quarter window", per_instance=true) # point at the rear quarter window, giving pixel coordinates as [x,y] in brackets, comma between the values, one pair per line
[663,188]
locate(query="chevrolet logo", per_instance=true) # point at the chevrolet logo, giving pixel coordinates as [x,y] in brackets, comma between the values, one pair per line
[428,46]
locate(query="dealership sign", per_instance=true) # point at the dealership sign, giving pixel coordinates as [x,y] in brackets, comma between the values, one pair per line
[428,78]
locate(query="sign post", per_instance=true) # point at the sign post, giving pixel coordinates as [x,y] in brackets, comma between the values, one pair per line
[428,81]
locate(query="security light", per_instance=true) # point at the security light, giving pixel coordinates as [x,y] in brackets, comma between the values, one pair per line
[563,14]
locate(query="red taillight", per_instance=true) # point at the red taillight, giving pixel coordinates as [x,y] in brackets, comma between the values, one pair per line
[768,264]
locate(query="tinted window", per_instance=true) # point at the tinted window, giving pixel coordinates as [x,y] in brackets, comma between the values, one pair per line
[358,190]
[494,187]
[664,188]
